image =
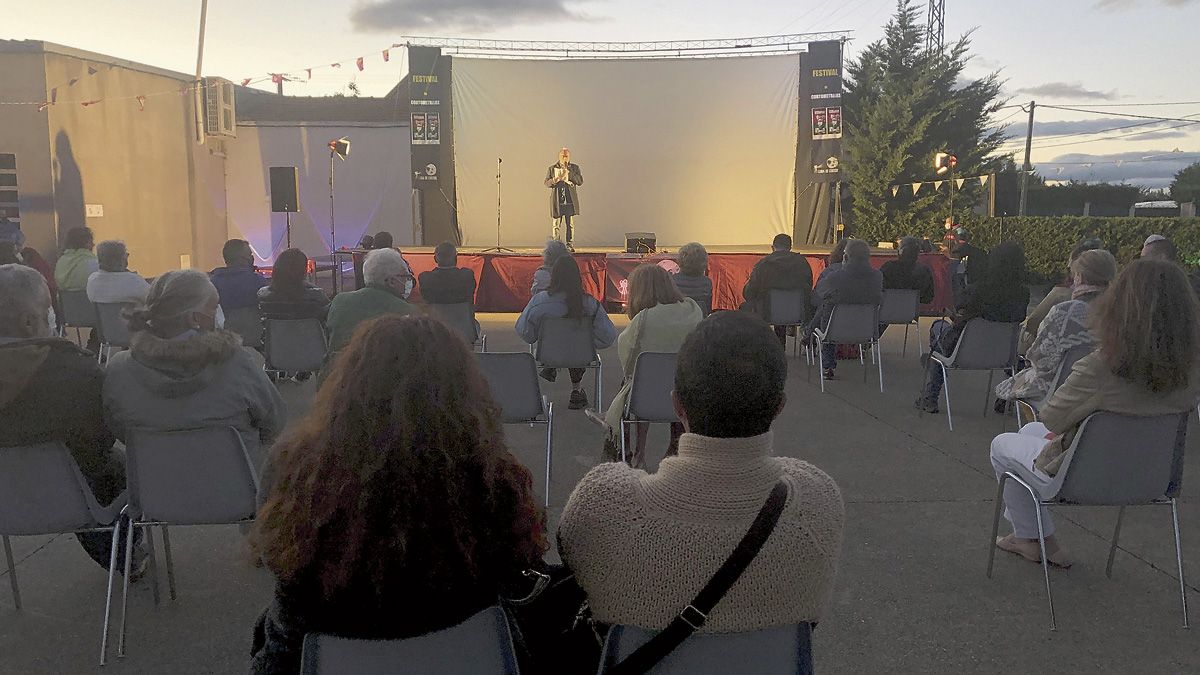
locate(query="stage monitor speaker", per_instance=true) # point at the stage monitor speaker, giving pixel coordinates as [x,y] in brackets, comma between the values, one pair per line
[640,242]
[285,189]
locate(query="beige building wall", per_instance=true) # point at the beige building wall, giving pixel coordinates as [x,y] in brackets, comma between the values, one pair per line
[23,132]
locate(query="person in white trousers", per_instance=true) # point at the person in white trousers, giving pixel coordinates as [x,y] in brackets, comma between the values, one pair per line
[1018,451]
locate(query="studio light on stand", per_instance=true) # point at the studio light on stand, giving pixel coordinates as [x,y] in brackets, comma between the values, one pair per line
[947,162]
[340,148]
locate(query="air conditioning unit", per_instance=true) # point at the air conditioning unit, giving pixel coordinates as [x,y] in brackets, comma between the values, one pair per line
[219,116]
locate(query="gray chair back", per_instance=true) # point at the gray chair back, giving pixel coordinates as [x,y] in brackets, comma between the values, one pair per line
[460,316]
[513,380]
[481,644]
[43,492]
[295,345]
[1120,460]
[114,330]
[1068,361]
[899,306]
[853,324]
[986,345]
[77,310]
[192,477]
[779,650]
[566,343]
[650,394]
[787,307]
[246,322]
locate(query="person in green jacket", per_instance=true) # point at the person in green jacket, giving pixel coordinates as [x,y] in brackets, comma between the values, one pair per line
[389,281]
[77,261]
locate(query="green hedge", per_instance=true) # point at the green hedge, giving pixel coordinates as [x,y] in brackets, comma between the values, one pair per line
[1048,240]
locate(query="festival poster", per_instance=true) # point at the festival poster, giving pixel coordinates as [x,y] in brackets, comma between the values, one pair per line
[834,116]
[433,123]
[417,126]
[820,123]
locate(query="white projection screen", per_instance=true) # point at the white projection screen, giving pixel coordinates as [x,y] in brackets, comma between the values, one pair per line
[690,149]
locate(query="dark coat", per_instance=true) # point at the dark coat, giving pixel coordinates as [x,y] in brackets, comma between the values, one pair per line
[914,275]
[854,283]
[575,176]
[447,285]
[698,288]
[308,302]
[781,269]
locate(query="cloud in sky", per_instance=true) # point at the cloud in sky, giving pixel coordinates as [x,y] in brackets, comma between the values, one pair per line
[1156,173]
[1122,4]
[1069,90]
[441,16]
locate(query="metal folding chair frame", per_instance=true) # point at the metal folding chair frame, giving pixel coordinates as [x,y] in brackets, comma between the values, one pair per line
[814,352]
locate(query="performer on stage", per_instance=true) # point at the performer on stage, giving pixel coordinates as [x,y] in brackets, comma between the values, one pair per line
[562,178]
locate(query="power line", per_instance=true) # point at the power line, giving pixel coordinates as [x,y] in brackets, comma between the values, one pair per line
[1175,158]
[1117,137]
[1115,114]
[1129,105]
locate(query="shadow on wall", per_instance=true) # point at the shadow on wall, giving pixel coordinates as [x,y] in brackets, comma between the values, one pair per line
[68,187]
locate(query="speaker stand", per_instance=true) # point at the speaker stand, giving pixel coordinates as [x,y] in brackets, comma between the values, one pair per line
[497,248]
[288,216]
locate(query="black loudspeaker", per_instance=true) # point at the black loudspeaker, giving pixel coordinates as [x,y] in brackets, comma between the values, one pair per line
[640,242]
[285,189]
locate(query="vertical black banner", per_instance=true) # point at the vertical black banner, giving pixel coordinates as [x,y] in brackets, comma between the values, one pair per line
[427,88]
[821,109]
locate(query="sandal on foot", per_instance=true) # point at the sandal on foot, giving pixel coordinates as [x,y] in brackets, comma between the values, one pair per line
[1030,551]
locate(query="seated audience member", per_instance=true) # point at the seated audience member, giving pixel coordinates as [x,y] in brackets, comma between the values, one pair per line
[237,283]
[854,282]
[906,272]
[565,299]
[289,295]
[833,263]
[383,240]
[692,279]
[447,283]
[1158,246]
[972,263]
[52,392]
[659,319]
[1147,363]
[77,261]
[1001,296]
[388,284]
[1065,327]
[641,545]
[421,516]
[779,270]
[184,371]
[554,250]
[1057,294]
[113,282]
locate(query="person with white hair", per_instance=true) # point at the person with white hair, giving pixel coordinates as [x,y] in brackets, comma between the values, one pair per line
[389,282]
[184,371]
[50,390]
[113,282]
[554,250]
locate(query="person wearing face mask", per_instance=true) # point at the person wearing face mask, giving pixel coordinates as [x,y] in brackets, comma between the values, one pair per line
[183,370]
[389,283]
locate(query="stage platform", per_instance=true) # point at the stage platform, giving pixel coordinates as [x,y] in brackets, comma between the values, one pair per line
[504,279]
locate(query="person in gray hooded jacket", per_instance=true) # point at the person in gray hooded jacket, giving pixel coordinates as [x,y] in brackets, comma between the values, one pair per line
[183,371]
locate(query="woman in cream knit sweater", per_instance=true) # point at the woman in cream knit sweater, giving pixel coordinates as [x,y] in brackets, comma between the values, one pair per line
[642,545]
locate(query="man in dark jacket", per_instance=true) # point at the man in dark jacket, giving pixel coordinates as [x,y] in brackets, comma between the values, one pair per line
[50,390]
[563,178]
[782,270]
[237,283]
[906,272]
[447,283]
[856,283]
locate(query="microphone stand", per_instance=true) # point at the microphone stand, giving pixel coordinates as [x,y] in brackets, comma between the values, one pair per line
[498,248]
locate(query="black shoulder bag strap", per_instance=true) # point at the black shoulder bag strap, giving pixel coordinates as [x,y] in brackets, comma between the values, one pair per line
[694,615]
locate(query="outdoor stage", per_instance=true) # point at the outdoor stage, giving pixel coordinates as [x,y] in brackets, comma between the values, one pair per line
[505,278]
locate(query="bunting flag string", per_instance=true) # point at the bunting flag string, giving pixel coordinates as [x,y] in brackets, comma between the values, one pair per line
[916,187]
[895,189]
[983,180]
[958,182]
[937,184]
[359,62]
[141,101]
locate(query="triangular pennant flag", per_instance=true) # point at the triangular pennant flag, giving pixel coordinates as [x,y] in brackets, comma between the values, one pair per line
[54,96]
[895,189]
[245,81]
[91,70]
[1088,165]
[396,44]
[91,102]
[937,185]
[309,71]
[276,78]
[958,182]
[335,65]
[386,56]
[359,62]
[916,187]
[71,82]
[141,100]
[983,180]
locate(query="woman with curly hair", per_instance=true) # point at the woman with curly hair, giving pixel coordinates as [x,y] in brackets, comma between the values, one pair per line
[394,508]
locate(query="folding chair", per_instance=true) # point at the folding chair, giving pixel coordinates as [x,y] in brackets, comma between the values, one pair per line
[567,343]
[246,322]
[295,345]
[77,312]
[849,324]
[481,644]
[983,345]
[461,317]
[1115,460]
[902,306]
[114,330]
[42,492]
[190,477]
[1064,371]
[513,379]
[789,308]
[649,399]
[779,649]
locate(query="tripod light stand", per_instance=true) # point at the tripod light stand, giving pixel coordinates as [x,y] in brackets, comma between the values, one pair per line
[340,148]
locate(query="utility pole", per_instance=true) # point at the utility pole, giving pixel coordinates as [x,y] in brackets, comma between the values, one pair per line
[935,25]
[1027,167]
